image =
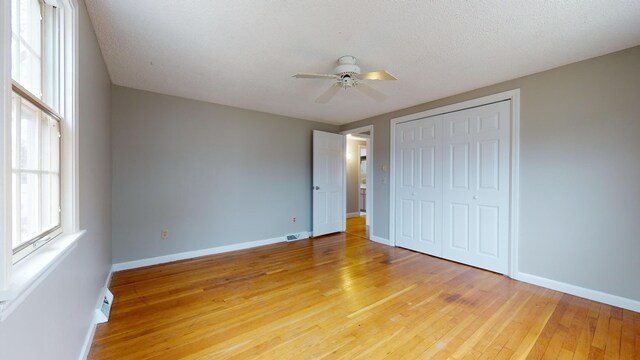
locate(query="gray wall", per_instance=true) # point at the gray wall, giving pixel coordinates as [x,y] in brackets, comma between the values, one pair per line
[579,171]
[212,175]
[53,321]
[353,175]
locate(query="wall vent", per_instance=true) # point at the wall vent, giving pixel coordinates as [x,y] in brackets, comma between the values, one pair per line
[298,236]
[102,314]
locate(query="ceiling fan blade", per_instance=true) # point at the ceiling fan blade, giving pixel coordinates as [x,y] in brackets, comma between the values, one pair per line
[314,76]
[371,92]
[329,94]
[377,75]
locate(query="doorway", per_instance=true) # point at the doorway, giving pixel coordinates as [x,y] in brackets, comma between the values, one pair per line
[358,180]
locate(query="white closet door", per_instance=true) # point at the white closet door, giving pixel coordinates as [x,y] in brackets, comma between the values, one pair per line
[418,200]
[476,186]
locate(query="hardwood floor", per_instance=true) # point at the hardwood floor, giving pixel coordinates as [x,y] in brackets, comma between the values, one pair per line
[344,297]
[357,226]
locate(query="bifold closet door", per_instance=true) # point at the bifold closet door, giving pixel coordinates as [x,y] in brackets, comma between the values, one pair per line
[475,195]
[418,179]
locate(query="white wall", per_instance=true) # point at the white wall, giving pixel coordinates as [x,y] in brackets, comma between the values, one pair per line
[53,321]
[579,171]
[212,175]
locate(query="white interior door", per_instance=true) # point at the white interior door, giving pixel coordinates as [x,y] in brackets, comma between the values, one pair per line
[475,174]
[418,208]
[329,209]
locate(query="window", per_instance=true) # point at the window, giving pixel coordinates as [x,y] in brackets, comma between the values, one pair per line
[36,124]
[39,223]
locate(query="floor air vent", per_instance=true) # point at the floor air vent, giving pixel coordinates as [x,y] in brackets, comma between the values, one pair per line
[102,314]
[298,236]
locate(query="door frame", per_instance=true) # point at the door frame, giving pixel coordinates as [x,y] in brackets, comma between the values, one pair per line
[370,175]
[514,191]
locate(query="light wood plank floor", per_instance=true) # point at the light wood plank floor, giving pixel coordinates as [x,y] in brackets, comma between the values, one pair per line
[358,227]
[344,297]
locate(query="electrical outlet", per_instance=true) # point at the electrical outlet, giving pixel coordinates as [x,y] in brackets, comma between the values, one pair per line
[293,219]
[164,234]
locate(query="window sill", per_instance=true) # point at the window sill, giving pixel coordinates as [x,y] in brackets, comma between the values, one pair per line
[30,272]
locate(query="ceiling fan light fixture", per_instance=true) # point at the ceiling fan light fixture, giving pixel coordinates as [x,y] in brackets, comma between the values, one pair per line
[347,74]
[347,81]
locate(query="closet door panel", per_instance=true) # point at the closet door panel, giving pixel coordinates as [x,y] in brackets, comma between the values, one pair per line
[476,191]
[418,190]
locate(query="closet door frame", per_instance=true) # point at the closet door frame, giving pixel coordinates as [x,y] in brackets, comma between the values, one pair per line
[514,97]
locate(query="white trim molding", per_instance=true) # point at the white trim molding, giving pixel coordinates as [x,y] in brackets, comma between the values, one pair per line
[28,273]
[381,240]
[6,252]
[88,339]
[514,97]
[194,254]
[595,295]
[353,215]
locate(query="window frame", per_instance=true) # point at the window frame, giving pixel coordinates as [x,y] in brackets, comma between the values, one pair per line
[18,280]
[23,250]
[24,43]
[47,101]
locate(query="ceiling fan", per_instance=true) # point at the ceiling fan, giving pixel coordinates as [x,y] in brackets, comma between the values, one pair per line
[347,74]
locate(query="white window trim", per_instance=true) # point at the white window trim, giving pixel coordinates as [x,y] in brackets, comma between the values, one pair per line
[17,281]
[30,272]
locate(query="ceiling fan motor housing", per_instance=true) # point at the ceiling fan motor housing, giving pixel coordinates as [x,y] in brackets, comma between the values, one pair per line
[347,67]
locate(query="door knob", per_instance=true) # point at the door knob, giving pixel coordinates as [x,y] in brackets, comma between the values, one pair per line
[316,188]
[475,197]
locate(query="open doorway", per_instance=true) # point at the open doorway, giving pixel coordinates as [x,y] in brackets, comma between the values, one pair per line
[358,189]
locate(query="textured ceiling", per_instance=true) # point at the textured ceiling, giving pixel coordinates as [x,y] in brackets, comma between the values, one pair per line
[243,52]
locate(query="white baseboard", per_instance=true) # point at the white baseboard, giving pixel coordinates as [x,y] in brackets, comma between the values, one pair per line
[381,240]
[86,347]
[87,342]
[353,214]
[590,294]
[193,254]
